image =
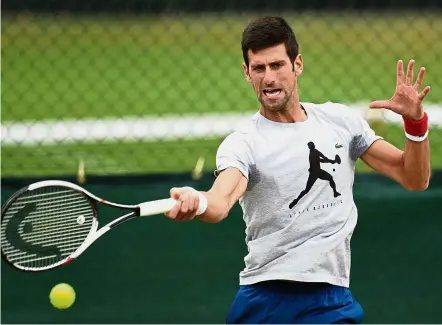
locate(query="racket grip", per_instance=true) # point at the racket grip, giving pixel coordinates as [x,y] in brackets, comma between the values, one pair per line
[156,207]
[161,206]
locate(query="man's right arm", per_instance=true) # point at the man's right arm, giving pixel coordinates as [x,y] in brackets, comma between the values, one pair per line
[228,187]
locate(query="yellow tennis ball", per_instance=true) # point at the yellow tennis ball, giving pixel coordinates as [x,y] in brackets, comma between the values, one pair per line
[62,296]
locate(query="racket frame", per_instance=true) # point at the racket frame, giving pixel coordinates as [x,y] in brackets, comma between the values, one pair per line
[148,208]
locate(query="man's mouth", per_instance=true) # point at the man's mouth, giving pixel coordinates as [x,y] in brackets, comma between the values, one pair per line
[271,92]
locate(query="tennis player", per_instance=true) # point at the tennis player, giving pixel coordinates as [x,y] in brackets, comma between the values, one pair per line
[291,167]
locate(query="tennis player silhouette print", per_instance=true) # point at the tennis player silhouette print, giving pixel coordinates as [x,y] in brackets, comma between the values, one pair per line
[316,158]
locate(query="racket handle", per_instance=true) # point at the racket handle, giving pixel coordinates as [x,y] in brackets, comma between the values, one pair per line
[161,206]
[156,207]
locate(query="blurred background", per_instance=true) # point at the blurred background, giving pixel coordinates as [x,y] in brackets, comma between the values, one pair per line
[131,97]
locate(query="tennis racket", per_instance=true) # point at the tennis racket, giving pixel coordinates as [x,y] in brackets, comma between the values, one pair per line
[50,223]
[338,159]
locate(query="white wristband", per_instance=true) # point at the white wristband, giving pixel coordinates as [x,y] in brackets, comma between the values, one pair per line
[202,207]
[415,138]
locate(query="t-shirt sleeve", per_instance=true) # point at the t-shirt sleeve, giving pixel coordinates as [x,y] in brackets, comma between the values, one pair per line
[235,151]
[363,136]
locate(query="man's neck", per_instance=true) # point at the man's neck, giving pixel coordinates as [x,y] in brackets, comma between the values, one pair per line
[291,114]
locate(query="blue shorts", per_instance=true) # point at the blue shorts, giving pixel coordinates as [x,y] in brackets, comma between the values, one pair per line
[283,302]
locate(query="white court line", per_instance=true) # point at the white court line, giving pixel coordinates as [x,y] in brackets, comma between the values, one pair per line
[151,128]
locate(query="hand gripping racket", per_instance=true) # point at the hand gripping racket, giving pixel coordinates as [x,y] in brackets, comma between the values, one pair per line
[50,223]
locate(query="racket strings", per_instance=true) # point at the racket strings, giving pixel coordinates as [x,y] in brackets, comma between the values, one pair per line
[46,225]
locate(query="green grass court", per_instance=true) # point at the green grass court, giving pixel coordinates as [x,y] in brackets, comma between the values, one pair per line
[63,68]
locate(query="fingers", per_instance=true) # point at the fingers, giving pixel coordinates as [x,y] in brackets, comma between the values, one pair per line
[186,207]
[175,193]
[418,84]
[410,75]
[186,211]
[424,93]
[420,79]
[380,104]
[400,73]
[409,78]
[172,214]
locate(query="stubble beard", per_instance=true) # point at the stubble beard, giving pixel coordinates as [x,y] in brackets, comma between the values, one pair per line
[278,106]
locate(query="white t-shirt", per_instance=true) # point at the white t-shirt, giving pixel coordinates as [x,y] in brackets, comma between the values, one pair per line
[298,207]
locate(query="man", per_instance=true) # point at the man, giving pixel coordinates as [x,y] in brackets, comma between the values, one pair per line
[298,263]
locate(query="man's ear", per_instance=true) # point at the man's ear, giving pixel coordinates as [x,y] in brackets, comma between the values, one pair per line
[246,72]
[298,65]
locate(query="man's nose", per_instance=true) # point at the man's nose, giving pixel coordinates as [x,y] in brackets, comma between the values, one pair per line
[269,77]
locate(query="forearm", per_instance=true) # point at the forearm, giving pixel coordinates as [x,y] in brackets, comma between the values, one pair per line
[211,206]
[218,207]
[416,164]
[226,191]
[416,157]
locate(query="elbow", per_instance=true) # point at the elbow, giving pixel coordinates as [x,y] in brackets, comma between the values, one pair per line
[417,182]
[417,186]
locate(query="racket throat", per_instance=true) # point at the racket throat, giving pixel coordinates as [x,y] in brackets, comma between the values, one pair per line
[70,259]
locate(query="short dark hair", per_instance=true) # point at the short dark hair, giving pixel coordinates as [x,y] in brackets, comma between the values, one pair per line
[266,32]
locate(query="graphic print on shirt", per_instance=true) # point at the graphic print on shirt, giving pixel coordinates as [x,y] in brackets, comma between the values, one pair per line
[315,172]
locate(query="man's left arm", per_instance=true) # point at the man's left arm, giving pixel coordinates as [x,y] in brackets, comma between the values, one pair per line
[411,167]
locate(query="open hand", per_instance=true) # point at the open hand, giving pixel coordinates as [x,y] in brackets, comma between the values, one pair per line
[407,100]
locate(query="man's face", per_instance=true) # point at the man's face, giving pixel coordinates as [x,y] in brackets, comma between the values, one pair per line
[272,76]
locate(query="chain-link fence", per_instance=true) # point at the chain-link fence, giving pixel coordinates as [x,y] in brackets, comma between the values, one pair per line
[127,93]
